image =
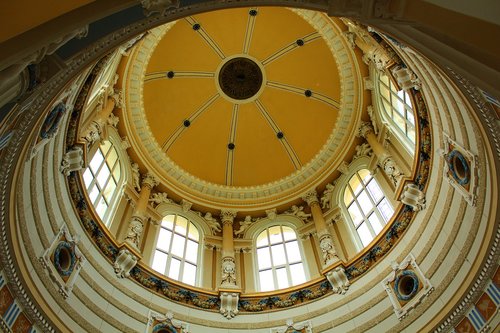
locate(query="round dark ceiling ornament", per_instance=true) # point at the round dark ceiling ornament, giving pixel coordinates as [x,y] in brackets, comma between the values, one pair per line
[252,12]
[196,26]
[300,42]
[170,74]
[308,93]
[240,78]
[230,146]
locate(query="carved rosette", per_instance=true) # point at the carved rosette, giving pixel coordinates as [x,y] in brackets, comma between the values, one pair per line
[134,232]
[311,197]
[228,276]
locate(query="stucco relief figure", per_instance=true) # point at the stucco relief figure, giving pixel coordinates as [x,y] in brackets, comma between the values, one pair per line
[134,232]
[243,225]
[136,176]
[325,198]
[228,272]
[158,198]
[392,170]
[212,222]
[299,212]
[329,253]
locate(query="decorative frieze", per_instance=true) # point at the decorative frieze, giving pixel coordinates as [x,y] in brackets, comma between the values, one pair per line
[244,226]
[159,198]
[212,222]
[299,212]
[158,6]
[63,260]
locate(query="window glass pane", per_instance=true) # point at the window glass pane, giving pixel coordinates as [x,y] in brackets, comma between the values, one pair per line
[384,79]
[266,280]
[111,158]
[263,258]
[117,172]
[275,234]
[377,226]
[408,99]
[355,213]
[193,232]
[297,273]
[159,262]
[87,178]
[347,196]
[192,251]
[411,134]
[96,161]
[292,250]
[178,245]
[262,239]
[105,147]
[355,185]
[278,253]
[282,278]
[168,222]
[410,117]
[387,107]
[375,191]
[400,122]
[109,190]
[288,233]
[93,193]
[164,239]
[189,274]
[364,202]
[175,266]
[365,234]
[101,208]
[180,225]
[385,209]
[365,175]
[102,177]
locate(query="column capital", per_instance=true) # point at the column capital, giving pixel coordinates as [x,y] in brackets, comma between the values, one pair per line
[364,129]
[311,197]
[227,216]
[150,180]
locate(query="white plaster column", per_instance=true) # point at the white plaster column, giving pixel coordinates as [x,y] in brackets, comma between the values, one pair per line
[136,225]
[228,272]
[325,238]
[385,160]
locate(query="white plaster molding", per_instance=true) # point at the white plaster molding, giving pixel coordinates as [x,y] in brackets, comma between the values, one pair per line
[338,280]
[125,261]
[412,196]
[297,211]
[228,273]
[403,300]
[72,161]
[229,304]
[64,253]
[302,327]
[155,318]
[212,222]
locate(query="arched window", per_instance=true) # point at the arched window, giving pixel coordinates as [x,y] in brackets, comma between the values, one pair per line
[368,208]
[397,106]
[102,179]
[279,259]
[177,249]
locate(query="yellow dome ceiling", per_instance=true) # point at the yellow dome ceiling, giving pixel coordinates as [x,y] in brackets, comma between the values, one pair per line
[245,108]
[241,98]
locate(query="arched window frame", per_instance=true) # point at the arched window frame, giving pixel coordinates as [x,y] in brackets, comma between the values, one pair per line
[376,209]
[257,228]
[337,196]
[403,135]
[165,209]
[125,173]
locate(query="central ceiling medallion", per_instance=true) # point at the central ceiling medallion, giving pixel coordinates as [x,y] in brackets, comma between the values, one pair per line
[240,78]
